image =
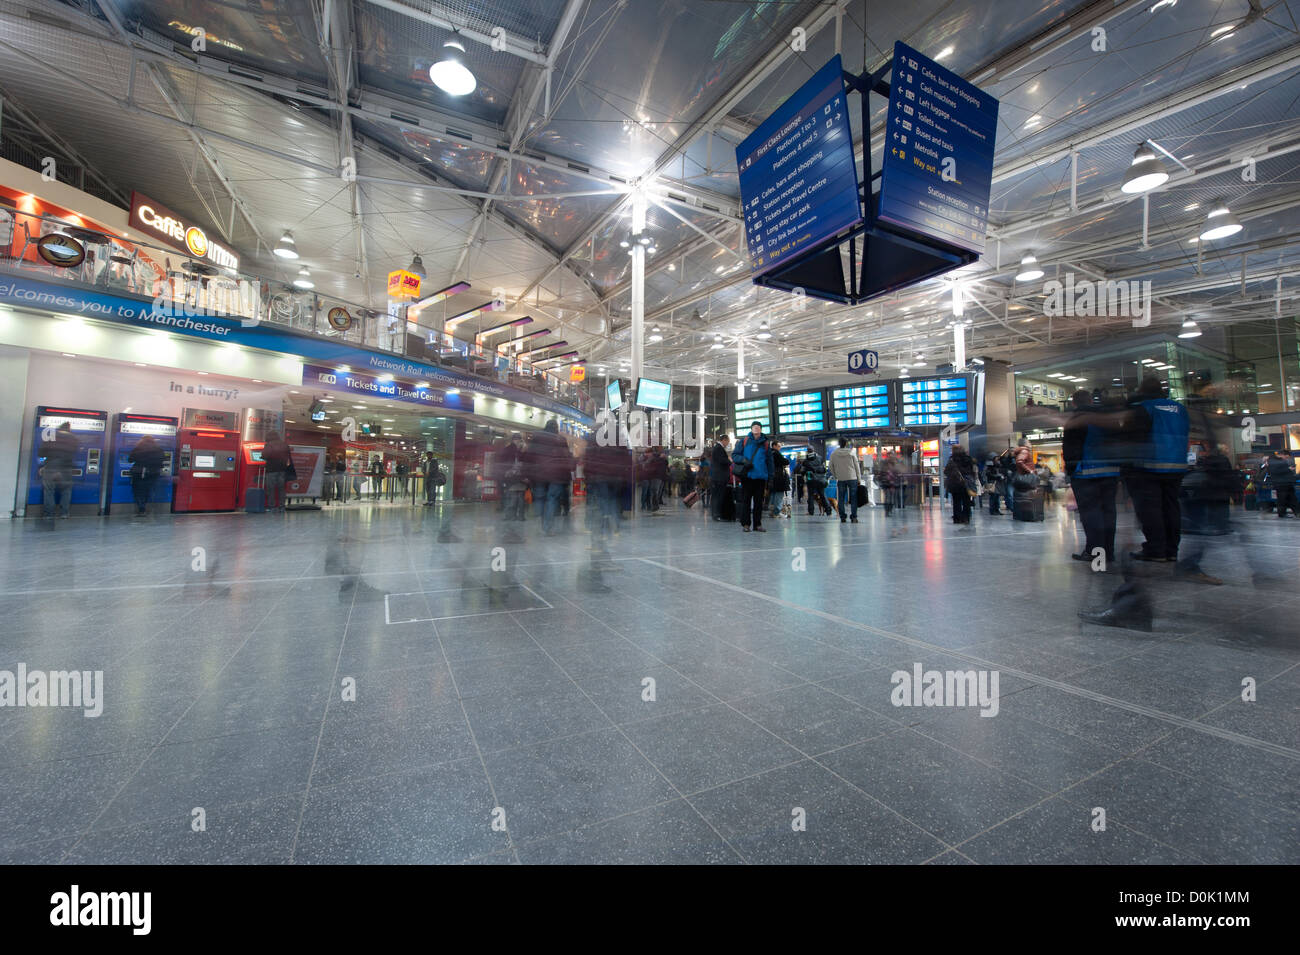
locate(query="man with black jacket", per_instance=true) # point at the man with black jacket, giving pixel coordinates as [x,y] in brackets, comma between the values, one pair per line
[719,474]
[1092,465]
[548,464]
[1281,477]
[146,460]
[60,456]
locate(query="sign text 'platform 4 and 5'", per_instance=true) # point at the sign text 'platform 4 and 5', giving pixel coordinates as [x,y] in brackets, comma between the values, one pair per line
[798,177]
[938,164]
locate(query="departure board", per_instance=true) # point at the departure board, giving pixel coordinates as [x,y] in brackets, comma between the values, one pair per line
[860,406]
[936,401]
[751,410]
[800,413]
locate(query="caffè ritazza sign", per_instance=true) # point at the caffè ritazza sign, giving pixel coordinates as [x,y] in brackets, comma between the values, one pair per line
[157,221]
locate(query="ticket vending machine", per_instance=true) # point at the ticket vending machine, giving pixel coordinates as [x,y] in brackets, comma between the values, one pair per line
[207,461]
[90,429]
[128,431]
[251,468]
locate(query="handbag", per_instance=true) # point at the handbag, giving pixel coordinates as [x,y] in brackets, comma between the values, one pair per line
[972,487]
[862,498]
[1024,481]
[290,472]
[740,465]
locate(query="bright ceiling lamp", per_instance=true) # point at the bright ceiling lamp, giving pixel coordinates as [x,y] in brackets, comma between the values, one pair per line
[764,332]
[451,75]
[1220,223]
[656,335]
[285,248]
[1145,172]
[304,279]
[417,266]
[784,383]
[1190,330]
[717,341]
[1029,269]
[1161,4]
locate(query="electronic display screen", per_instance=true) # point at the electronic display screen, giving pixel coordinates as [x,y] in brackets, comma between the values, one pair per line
[205,460]
[860,406]
[614,395]
[653,394]
[936,401]
[750,410]
[802,412]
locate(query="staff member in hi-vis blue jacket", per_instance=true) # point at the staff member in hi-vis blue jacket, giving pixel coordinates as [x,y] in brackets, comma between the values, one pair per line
[1161,429]
[1092,463]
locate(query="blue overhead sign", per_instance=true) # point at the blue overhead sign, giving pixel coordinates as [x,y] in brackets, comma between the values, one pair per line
[863,362]
[938,165]
[798,177]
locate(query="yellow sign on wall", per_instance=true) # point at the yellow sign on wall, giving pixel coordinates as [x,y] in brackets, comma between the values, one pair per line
[577,373]
[403,284]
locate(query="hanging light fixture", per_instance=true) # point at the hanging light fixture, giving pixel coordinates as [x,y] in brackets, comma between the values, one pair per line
[1220,223]
[717,341]
[285,248]
[1029,269]
[451,75]
[1190,330]
[304,279]
[1145,172]
[763,332]
[417,266]
[656,335]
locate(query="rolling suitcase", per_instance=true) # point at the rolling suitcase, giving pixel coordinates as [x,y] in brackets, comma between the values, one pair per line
[255,500]
[690,499]
[1028,506]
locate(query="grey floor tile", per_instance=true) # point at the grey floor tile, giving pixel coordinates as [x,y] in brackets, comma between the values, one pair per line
[558,786]
[704,748]
[352,749]
[802,814]
[670,834]
[813,719]
[1199,818]
[939,789]
[436,815]
[528,714]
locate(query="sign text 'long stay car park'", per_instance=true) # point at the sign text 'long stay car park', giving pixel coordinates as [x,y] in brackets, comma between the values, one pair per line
[798,177]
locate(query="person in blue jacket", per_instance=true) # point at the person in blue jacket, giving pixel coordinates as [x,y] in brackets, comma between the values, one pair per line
[751,462]
[1161,428]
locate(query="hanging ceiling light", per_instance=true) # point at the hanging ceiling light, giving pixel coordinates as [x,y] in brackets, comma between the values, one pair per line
[285,248]
[1220,223]
[656,335]
[1145,172]
[417,266]
[717,341]
[783,383]
[763,331]
[304,279]
[1190,330]
[451,75]
[1029,270]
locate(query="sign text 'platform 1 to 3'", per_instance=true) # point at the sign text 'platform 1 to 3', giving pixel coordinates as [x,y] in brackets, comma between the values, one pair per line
[798,177]
[938,164]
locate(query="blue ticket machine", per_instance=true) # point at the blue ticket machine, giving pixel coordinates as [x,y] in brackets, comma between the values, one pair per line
[89,433]
[128,431]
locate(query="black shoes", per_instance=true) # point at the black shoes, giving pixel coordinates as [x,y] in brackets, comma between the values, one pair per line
[760,530]
[1109,618]
[1138,555]
[853,520]
[1085,556]
[745,528]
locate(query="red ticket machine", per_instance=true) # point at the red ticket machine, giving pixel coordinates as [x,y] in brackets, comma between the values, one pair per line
[207,472]
[251,468]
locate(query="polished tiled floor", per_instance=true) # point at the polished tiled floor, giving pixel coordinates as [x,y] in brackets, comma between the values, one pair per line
[500,715]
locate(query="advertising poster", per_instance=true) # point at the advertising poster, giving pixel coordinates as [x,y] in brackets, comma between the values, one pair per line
[310,465]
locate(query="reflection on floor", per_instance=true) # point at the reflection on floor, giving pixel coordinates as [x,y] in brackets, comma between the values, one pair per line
[339,686]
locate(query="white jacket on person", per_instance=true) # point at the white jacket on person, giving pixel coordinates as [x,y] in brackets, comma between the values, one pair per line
[844,465]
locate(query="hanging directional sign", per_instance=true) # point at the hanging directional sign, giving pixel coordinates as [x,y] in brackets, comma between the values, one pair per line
[938,165]
[863,362]
[798,176]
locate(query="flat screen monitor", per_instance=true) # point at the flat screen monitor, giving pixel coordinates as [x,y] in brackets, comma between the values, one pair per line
[653,394]
[614,395]
[205,461]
